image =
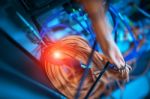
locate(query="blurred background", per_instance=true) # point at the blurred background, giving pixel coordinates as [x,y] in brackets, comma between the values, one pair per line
[24,24]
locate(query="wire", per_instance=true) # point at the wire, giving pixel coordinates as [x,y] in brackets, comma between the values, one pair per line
[90,29]
[98,78]
[115,22]
[30,27]
[86,70]
[141,11]
[43,31]
[82,14]
[76,20]
[118,15]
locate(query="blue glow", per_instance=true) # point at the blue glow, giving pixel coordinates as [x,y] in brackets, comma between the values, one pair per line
[53,22]
[136,89]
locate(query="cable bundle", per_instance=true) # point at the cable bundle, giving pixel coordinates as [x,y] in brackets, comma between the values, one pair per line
[62,62]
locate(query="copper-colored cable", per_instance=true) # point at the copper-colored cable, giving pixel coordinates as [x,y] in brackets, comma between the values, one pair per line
[66,73]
